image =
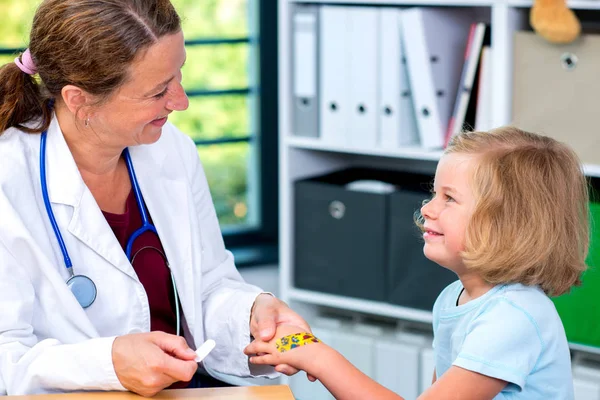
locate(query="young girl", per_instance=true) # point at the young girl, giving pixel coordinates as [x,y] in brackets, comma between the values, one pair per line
[509,215]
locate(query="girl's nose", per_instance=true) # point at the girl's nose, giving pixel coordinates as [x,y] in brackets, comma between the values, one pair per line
[428,209]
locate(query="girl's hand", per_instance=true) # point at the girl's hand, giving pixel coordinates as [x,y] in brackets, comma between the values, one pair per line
[266,353]
[267,315]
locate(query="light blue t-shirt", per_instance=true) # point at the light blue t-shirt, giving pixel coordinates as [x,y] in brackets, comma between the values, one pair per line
[513,333]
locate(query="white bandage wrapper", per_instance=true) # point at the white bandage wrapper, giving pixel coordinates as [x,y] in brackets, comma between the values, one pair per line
[205,349]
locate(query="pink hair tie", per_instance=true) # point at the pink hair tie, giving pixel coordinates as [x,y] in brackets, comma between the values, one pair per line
[27,65]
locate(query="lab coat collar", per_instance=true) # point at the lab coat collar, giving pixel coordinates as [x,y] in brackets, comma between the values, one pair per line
[65,185]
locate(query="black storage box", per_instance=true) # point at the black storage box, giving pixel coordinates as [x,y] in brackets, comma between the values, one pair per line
[362,244]
[340,236]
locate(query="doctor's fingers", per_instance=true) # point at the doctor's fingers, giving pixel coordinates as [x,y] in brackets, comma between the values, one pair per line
[179,370]
[161,370]
[150,384]
[173,345]
[144,367]
[286,316]
[290,317]
[264,322]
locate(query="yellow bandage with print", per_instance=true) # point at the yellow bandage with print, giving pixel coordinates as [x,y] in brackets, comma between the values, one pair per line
[296,340]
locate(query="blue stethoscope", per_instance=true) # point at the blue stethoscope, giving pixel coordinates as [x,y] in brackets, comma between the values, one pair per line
[82,287]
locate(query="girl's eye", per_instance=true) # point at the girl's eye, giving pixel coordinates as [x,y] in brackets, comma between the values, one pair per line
[449,198]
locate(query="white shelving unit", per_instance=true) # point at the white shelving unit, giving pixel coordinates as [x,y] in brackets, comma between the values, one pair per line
[575,5]
[359,305]
[410,153]
[302,157]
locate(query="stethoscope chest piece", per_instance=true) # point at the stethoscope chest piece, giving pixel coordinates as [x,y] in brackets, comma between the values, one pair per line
[83,288]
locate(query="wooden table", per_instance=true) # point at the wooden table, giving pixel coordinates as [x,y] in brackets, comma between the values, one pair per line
[275,392]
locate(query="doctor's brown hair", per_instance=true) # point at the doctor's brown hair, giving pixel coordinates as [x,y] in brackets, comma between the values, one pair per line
[86,43]
[530,223]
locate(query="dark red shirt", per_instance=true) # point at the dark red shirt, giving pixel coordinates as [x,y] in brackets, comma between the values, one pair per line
[150,267]
[148,264]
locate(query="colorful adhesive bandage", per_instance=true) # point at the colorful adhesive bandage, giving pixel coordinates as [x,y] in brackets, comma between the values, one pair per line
[296,340]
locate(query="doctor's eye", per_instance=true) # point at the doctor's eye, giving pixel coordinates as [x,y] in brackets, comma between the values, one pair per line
[161,94]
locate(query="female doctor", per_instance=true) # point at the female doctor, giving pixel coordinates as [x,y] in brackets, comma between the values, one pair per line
[112,264]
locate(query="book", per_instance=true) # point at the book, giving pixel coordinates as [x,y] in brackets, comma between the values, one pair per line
[465,104]
[483,110]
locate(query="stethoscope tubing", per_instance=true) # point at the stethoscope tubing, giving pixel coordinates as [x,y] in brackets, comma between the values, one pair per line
[146,226]
[57,233]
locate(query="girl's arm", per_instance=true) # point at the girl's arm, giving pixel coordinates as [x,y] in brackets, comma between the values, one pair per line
[346,382]
[460,383]
[338,375]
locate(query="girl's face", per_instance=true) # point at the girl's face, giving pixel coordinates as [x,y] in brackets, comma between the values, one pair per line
[139,109]
[448,213]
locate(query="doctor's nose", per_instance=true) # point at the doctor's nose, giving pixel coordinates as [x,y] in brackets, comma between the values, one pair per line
[179,100]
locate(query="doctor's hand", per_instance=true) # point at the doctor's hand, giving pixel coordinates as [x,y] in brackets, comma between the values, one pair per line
[268,313]
[146,363]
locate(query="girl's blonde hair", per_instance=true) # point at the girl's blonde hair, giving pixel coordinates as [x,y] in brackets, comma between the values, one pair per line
[530,223]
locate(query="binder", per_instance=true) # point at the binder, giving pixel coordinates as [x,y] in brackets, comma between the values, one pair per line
[305,107]
[434,40]
[334,109]
[465,103]
[397,124]
[362,52]
[483,113]
[555,90]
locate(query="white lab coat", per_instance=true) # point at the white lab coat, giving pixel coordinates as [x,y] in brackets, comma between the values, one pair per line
[48,343]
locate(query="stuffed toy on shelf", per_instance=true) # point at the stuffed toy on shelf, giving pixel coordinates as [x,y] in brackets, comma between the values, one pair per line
[554,21]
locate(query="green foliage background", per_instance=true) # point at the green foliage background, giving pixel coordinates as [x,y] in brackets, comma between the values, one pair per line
[207,67]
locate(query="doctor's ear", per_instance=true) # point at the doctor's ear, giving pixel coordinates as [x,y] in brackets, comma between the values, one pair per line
[75,98]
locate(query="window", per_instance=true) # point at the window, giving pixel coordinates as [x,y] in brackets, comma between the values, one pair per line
[230,78]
